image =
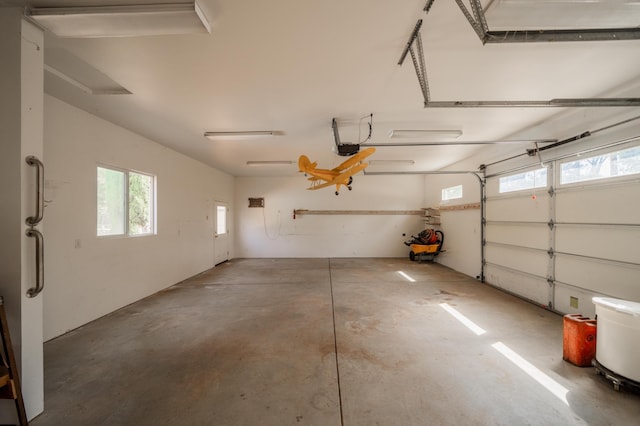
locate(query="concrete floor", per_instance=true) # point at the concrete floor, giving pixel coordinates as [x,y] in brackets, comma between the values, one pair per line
[323,342]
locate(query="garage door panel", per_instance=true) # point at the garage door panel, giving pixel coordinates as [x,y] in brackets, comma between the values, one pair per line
[531,288]
[600,241]
[522,209]
[595,239]
[572,300]
[529,261]
[608,278]
[600,204]
[534,236]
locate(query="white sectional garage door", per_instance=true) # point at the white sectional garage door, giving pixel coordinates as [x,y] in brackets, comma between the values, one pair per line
[562,244]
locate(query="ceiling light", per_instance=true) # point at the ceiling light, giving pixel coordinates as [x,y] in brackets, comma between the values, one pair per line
[248,133]
[122,21]
[269,163]
[393,162]
[424,133]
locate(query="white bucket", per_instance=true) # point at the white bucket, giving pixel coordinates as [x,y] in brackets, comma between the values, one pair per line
[618,336]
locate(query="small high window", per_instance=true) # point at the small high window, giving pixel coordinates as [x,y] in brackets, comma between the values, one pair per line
[521,181]
[613,164]
[452,193]
[126,202]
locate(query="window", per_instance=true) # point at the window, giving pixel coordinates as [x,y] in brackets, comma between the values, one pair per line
[126,202]
[527,180]
[613,164]
[452,193]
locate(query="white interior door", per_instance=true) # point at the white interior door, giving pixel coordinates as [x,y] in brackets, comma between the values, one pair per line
[221,233]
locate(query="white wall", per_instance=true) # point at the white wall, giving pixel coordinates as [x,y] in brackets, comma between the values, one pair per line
[21,77]
[88,277]
[272,232]
[461,228]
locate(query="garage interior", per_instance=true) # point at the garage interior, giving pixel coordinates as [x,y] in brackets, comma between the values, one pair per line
[241,297]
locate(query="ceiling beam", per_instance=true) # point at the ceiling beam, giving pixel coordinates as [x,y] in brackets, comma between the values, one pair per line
[452,143]
[479,24]
[532,36]
[569,102]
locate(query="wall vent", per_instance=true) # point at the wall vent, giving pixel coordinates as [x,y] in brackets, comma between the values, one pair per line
[574,302]
[256,202]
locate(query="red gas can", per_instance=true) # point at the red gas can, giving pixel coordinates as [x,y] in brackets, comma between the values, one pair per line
[579,340]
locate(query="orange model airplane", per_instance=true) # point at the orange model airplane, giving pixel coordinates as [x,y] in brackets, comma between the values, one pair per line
[341,175]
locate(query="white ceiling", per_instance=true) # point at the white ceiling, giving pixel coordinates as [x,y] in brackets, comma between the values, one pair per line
[291,66]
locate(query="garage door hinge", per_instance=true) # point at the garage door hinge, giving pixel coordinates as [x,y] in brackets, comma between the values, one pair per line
[484,243]
[551,281]
[551,224]
[551,192]
[551,253]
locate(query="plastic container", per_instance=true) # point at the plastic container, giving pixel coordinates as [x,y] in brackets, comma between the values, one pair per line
[618,343]
[579,340]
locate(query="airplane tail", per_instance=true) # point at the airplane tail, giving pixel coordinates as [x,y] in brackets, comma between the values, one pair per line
[304,164]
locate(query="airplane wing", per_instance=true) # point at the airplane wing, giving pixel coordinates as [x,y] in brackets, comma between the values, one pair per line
[319,186]
[344,177]
[341,179]
[321,174]
[355,159]
[340,175]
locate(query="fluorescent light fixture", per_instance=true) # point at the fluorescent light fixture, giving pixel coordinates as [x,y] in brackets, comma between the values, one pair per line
[240,134]
[269,163]
[392,162]
[122,21]
[424,133]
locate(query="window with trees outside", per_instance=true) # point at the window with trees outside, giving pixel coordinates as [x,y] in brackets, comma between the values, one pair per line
[521,181]
[126,202]
[613,164]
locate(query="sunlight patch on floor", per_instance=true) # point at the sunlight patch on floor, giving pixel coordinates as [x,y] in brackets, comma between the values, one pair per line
[464,320]
[552,386]
[406,277]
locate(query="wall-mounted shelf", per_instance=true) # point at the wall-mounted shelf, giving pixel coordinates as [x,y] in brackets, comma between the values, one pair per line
[470,206]
[359,212]
[431,216]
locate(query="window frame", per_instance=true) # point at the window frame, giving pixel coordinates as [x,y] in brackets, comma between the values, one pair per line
[225,231]
[442,192]
[533,188]
[597,180]
[152,202]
